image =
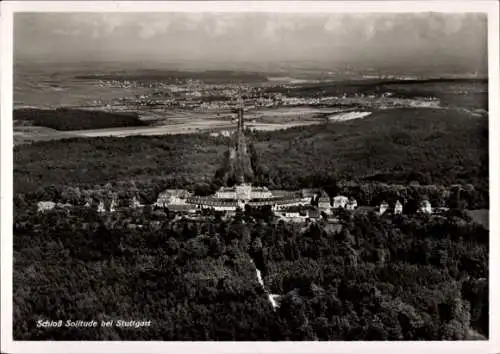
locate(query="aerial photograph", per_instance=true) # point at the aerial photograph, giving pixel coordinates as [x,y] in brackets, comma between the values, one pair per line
[250,176]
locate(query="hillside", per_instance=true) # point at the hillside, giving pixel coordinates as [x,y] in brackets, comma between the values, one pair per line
[380,278]
[447,146]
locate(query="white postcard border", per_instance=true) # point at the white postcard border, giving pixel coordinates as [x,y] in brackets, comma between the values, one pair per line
[6,193]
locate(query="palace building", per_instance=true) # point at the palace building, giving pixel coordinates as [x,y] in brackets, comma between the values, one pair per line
[237,168]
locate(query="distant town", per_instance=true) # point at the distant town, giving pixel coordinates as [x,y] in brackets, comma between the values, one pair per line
[198,96]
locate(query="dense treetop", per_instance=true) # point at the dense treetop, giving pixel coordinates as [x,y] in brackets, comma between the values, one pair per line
[77,119]
[375,278]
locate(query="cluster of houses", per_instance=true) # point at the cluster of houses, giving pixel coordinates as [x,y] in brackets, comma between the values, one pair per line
[49,205]
[229,199]
[425,207]
[322,205]
[289,205]
[110,205]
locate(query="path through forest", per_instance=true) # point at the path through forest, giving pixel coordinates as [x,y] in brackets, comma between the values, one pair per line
[272,297]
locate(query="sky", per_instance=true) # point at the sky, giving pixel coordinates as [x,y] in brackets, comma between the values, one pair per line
[390,38]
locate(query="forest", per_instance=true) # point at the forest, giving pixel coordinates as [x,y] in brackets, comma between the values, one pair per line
[433,153]
[76,119]
[378,278]
[367,277]
[465,93]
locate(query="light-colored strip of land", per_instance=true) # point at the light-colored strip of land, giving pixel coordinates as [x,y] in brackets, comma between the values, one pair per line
[28,134]
[184,128]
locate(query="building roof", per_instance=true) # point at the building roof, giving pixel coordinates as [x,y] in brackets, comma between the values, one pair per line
[46,203]
[285,193]
[259,203]
[277,200]
[295,209]
[180,207]
[211,201]
[313,213]
[226,189]
[324,199]
[282,201]
[340,197]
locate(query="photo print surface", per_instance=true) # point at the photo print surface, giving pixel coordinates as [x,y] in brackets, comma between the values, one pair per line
[250,176]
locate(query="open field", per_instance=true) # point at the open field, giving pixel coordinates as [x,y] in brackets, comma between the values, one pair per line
[188,122]
[481,216]
[30,134]
[339,117]
[179,127]
[182,122]
[176,126]
[183,127]
[261,115]
[271,126]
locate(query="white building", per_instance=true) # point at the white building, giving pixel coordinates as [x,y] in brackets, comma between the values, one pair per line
[112,206]
[283,204]
[352,204]
[291,214]
[324,204]
[243,192]
[383,207]
[224,207]
[398,208]
[43,206]
[425,207]
[340,202]
[172,196]
[100,207]
[309,195]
